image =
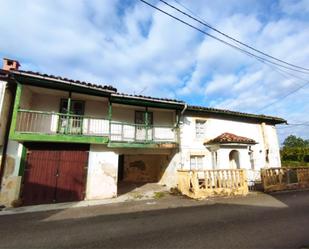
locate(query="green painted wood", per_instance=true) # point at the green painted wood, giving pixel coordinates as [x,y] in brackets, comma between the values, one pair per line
[141,145]
[16,107]
[110,113]
[146,123]
[60,86]
[31,137]
[141,102]
[59,114]
[67,129]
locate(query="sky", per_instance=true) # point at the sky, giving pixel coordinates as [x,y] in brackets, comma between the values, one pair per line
[138,50]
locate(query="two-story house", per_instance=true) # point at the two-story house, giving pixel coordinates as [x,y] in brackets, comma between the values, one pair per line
[72,140]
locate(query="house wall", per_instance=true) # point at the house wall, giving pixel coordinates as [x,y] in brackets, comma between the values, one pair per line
[144,168]
[48,100]
[261,133]
[11,181]
[5,101]
[25,98]
[102,177]
[126,114]
[102,173]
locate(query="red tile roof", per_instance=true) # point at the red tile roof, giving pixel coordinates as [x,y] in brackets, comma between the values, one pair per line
[109,88]
[215,111]
[230,138]
[64,80]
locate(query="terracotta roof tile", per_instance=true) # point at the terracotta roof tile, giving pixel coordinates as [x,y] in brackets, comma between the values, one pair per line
[203,109]
[150,98]
[54,77]
[230,138]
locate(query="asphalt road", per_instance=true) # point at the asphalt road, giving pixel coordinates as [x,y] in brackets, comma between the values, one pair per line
[257,221]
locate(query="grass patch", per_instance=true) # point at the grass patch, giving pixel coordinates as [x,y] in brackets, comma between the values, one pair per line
[158,195]
[138,196]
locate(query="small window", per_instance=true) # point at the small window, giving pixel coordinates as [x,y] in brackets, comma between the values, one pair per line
[140,117]
[196,162]
[200,128]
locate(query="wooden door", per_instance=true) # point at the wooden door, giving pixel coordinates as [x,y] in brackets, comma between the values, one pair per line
[54,173]
[71,176]
[40,177]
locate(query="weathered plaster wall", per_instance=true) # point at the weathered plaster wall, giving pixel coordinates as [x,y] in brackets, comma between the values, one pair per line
[224,161]
[160,164]
[98,109]
[144,168]
[25,98]
[102,174]
[126,114]
[169,170]
[50,102]
[5,100]
[10,187]
[44,102]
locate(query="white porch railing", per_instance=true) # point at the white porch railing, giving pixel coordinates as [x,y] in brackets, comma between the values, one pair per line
[199,184]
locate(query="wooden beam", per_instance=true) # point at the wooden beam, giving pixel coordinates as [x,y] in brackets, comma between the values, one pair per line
[16,108]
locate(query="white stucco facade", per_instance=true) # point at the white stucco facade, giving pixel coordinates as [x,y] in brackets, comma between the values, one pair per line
[102,174]
[265,153]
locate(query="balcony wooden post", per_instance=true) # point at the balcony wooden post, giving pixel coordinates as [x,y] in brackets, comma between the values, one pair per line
[146,123]
[16,107]
[67,129]
[110,113]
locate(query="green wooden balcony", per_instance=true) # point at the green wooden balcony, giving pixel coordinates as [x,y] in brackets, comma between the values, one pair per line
[51,126]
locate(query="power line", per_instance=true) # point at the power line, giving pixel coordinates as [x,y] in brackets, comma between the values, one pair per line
[218,39]
[201,21]
[260,59]
[291,125]
[282,72]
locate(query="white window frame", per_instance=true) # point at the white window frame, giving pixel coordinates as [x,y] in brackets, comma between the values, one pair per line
[197,162]
[200,128]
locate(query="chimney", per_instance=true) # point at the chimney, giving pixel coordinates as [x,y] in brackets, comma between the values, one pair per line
[9,64]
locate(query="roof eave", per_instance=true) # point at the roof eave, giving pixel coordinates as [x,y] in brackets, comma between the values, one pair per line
[144,100]
[61,81]
[230,143]
[269,119]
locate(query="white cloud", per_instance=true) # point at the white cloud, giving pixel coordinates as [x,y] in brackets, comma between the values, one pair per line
[138,49]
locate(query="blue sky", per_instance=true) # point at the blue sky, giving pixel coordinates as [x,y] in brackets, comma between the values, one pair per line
[138,50]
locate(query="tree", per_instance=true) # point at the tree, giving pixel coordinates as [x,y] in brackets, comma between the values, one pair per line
[293,142]
[295,149]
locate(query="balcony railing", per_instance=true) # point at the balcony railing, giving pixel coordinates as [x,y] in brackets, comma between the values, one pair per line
[39,122]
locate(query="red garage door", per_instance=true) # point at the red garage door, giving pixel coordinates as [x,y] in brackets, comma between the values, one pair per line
[54,173]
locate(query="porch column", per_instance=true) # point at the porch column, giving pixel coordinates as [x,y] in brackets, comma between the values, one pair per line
[146,123]
[67,129]
[109,118]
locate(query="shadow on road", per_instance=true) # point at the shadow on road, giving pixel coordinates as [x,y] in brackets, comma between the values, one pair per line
[249,222]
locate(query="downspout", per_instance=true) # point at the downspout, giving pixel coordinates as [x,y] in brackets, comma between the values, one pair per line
[12,90]
[182,112]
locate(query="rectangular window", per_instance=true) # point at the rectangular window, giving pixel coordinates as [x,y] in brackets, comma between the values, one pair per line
[200,128]
[77,106]
[140,117]
[196,162]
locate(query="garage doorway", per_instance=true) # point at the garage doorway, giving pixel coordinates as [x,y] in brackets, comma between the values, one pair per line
[140,171]
[54,173]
